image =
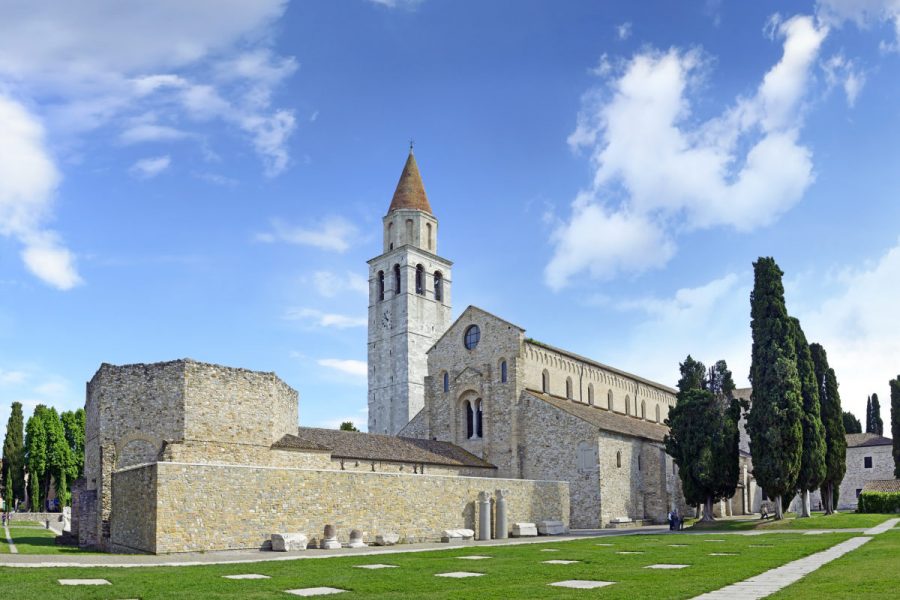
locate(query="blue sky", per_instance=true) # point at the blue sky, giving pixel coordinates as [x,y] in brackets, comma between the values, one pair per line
[207,180]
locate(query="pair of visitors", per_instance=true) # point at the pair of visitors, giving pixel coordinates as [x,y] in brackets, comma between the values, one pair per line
[675,521]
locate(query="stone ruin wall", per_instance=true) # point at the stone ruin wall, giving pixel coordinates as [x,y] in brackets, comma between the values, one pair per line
[221,507]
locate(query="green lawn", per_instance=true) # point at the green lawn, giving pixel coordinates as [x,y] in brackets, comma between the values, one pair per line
[849,520]
[512,572]
[34,540]
[868,572]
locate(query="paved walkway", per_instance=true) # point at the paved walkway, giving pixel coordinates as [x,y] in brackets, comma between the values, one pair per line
[12,547]
[771,581]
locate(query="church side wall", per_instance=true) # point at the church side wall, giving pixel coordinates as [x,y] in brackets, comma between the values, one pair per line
[629,396]
[555,440]
[211,452]
[634,480]
[857,475]
[134,507]
[218,507]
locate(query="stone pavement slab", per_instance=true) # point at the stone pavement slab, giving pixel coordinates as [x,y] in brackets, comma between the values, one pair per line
[315,591]
[375,566]
[630,552]
[474,557]
[83,582]
[889,524]
[560,562]
[549,549]
[12,547]
[581,584]
[666,566]
[459,574]
[246,576]
[771,581]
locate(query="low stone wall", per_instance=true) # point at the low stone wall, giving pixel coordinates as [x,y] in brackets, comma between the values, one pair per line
[201,507]
[132,520]
[40,517]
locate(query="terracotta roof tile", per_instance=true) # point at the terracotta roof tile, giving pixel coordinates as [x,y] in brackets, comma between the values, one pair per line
[882,485]
[410,192]
[861,440]
[371,446]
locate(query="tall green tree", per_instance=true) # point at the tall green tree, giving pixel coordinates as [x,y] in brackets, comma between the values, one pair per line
[36,455]
[14,451]
[833,422]
[60,460]
[851,423]
[868,414]
[74,424]
[895,423]
[774,421]
[703,434]
[877,424]
[812,461]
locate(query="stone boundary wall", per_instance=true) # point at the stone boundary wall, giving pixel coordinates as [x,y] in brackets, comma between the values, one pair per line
[40,517]
[203,507]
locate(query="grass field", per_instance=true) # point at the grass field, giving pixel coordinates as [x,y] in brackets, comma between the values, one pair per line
[850,520]
[34,540]
[872,571]
[511,572]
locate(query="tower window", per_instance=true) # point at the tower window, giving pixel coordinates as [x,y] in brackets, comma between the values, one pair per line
[420,279]
[479,412]
[380,286]
[545,382]
[472,337]
[409,231]
[438,286]
[627,405]
[619,459]
[430,238]
[569,388]
[396,279]
[470,421]
[446,382]
[503,375]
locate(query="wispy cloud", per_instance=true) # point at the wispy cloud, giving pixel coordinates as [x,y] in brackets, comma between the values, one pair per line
[12,377]
[623,31]
[330,284]
[356,368]
[320,318]
[334,234]
[150,132]
[147,168]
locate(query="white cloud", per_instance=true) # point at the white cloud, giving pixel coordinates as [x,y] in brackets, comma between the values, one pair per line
[150,167]
[623,31]
[407,4]
[12,377]
[320,318]
[201,60]
[841,71]
[356,368]
[333,234]
[28,182]
[671,173]
[330,284]
[863,13]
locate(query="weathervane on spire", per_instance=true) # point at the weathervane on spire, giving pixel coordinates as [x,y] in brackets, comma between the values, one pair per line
[412,143]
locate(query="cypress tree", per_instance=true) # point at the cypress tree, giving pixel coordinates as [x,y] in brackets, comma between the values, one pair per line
[868,414]
[812,463]
[833,422]
[60,461]
[895,423]
[877,423]
[14,451]
[851,423]
[774,422]
[36,455]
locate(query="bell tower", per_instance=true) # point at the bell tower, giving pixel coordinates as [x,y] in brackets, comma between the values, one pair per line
[409,305]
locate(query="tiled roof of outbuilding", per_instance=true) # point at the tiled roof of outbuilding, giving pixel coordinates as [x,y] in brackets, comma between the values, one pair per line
[372,446]
[861,440]
[605,419]
[882,485]
[410,192]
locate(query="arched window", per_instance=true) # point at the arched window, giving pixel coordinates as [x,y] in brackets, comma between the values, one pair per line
[545,382]
[409,231]
[472,337]
[391,235]
[639,462]
[609,400]
[396,279]
[420,279]
[619,459]
[591,394]
[380,286]
[470,421]
[569,388]
[643,409]
[479,411]
[503,374]
[627,404]
[438,285]
[657,413]
[446,382]
[430,239]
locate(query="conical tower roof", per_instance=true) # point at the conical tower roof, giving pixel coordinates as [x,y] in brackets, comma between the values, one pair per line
[410,192]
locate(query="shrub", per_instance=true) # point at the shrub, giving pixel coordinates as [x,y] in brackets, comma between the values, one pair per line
[879,502]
